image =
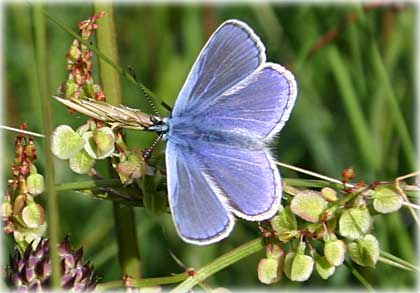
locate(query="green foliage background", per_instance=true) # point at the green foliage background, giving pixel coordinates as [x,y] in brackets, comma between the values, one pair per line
[346,115]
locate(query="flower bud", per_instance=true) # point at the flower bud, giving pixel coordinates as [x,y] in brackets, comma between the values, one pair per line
[329,194]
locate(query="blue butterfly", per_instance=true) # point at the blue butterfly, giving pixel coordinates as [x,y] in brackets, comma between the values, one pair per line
[230,107]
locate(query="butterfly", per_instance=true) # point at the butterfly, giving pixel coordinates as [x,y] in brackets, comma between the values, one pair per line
[218,164]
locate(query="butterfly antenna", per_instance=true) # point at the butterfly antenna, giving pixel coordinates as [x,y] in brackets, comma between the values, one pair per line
[177,260]
[148,152]
[144,92]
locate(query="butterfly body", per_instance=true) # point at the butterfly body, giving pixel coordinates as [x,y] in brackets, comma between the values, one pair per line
[218,165]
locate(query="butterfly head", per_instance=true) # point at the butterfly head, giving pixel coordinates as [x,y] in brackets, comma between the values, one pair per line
[160,125]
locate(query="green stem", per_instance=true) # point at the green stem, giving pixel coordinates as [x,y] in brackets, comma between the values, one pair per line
[106,58]
[396,261]
[359,276]
[113,182]
[220,263]
[88,184]
[52,205]
[312,183]
[129,255]
[141,283]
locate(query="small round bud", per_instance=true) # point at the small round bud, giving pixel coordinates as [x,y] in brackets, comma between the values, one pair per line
[329,194]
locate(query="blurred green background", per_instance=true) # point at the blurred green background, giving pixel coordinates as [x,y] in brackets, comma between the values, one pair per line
[355,107]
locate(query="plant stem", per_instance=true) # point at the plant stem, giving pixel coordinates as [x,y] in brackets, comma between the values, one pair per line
[359,276]
[220,263]
[88,184]
[401,262]
[52,205]
[129,255]
[150,282]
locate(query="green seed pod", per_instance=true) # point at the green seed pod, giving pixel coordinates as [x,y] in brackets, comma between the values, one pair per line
[284,224]
[365,251]
[268,271]
[386,200]
[35,184]
[65,142]
[81,163]
[355,222]
[334,251]
[323,267]
[308,205]
[298,267]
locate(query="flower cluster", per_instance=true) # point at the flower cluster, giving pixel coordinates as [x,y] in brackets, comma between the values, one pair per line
[31,270]
[93,140]
[80,81]
[21,215]
[322,226]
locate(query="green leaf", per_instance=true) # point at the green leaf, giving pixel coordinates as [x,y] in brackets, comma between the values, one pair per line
[65,142]
[268,271]
[324,268]
[355,222]
[386,200]
[308,205]
[81,163]
[298,267]
[35,183]
[365,251]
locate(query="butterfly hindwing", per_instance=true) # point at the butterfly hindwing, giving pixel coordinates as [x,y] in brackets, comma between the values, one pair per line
[199,215]
[248,179]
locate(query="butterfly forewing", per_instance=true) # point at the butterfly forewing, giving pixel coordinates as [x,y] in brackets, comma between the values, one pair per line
[231,54]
